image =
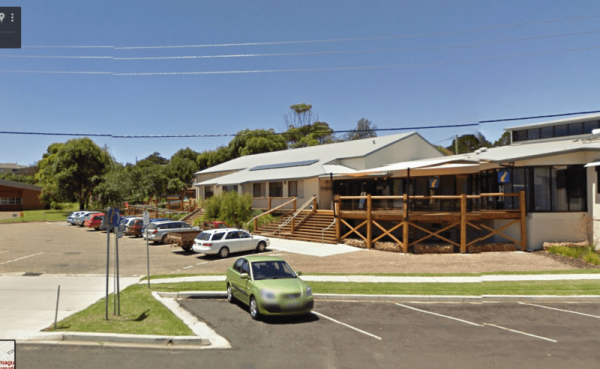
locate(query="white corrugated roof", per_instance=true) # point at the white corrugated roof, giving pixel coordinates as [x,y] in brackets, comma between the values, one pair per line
[585,118]
[324,153]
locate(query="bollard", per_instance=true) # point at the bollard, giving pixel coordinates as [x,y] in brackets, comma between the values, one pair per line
[56,313]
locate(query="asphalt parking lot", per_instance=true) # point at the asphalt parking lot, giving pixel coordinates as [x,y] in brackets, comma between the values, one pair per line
[368,335]
[376,334]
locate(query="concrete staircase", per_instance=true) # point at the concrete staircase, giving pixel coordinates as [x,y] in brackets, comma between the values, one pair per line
[309,230]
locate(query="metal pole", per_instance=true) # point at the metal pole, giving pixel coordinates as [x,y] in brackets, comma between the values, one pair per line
[148,255]
[114,280]
[456,144]
[107,265]
[56,313]
[407,191]
[118,287]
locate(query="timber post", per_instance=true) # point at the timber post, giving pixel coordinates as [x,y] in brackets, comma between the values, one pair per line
[523,208]
[405,238]
[338,225]
[294,204]
[269,203]
[255,224]
[314,204]
[369,223]
[292,226]
[463,223]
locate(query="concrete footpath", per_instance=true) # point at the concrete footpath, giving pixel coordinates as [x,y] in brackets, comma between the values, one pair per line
[391,279]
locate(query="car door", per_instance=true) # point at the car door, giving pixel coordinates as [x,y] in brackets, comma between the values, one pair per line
[237,288]
[245,283]
[246,242]
[233,241]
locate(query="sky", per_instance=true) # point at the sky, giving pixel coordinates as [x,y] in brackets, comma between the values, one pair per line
[397,63]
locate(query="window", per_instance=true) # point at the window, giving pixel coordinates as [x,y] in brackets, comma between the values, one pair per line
[541,188]
[547,132]
[208,192]
[276,189]
[559,189]
[11,201]
[575,129]
[588,127]
[238,265]
[258,190]
[245,267]
[243,235]
[519,136]
[232,236]
[577,188]
[293,188]
[218,236]
[561,131]
[533,134]
[233,188]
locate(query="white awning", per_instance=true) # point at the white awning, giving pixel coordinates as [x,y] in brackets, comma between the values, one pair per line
[592,164]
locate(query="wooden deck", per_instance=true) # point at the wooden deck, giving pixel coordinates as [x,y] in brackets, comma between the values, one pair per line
[409,222]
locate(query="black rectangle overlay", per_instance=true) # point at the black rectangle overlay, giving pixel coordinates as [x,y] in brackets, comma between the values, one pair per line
[10,27]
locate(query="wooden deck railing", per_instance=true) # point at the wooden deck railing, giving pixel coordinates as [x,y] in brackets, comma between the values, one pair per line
[462,216]
[255,219]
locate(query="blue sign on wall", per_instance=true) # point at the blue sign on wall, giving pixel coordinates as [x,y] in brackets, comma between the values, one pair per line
[504,176]
[434,182]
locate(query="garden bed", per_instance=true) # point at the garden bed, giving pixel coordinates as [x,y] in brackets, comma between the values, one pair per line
[434,249]
[492,247]
[381,246]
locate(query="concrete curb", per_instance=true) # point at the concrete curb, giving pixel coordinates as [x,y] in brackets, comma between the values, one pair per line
[405,298]
[121,338]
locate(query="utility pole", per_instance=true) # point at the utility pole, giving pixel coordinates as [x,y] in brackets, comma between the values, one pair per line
[456,144]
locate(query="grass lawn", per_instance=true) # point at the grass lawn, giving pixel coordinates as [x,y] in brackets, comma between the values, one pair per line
[43,215]
[558,288]
[140,314]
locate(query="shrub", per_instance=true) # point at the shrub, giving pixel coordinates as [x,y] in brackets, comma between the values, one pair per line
[228,207]
[269,218]
[592,258]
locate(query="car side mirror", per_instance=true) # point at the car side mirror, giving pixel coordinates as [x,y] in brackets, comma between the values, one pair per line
[244,276]
[299,273]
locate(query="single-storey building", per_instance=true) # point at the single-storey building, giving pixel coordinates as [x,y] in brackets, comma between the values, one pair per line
[17,196]
[555,163]
[11,168]
[305,172]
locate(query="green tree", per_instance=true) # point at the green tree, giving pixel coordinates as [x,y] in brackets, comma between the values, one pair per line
[71,170]
[249,142]
[300,116]
[183,165]
[503,140]
[364,129]
[115,186]
[153,159]
[469,143]
[316,134]
[229,207]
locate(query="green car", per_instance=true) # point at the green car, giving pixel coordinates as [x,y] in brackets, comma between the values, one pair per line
[269,286]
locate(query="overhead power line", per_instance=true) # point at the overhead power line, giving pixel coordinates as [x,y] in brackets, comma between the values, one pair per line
[309,53]
[394,66]
[323,40]
[289,134]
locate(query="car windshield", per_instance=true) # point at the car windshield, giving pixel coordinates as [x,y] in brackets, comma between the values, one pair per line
[275,269]
[204,236]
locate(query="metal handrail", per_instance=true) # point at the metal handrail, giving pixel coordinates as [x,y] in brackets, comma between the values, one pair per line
[325,229]
[268,212]
[288,220]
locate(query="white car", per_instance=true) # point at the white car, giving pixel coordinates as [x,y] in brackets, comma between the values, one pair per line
[224,241]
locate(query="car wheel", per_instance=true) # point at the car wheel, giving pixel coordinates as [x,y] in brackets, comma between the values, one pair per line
[261,247]
[229,294]
[163,239]
[254,309]
[187,248]
[224,252]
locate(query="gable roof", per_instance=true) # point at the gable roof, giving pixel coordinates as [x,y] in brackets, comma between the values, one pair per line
[584,118]
[323,153]
[20,185]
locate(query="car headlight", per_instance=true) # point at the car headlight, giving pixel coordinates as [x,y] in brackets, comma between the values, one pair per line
[267,294]
[308,291]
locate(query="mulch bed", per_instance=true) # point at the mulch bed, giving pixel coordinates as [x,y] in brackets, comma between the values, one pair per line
[575,263]
[382,246]
[434,249]
[492,247]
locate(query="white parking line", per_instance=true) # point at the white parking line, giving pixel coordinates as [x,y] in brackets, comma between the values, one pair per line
[24,257]
[527,334]
[346,325]
[188,267]
[566,311]
[436,314]
[2,252]
[206,262]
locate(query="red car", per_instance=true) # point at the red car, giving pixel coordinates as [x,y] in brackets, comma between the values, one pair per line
[94,221]
[135,228]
